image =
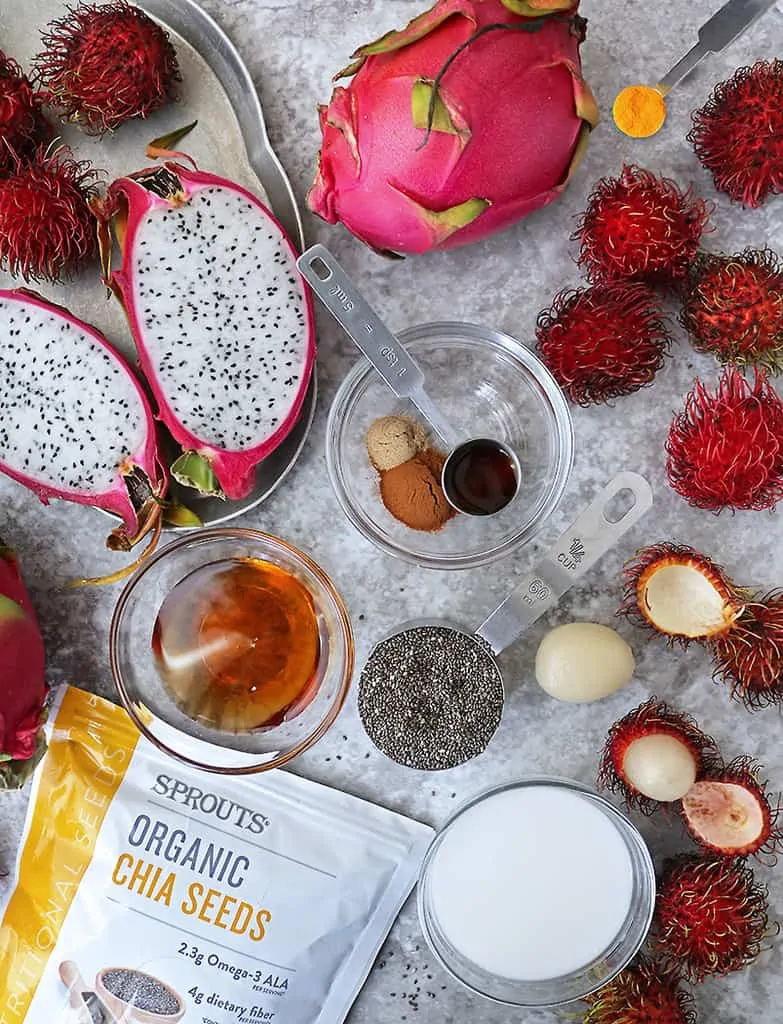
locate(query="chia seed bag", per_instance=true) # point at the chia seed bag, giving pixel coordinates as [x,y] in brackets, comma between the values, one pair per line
[148,891]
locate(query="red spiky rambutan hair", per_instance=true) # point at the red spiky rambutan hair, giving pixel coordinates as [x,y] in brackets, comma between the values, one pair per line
[103,64]
[725,450]
[732,307]
[710,916]
[652,718]
[604,341]
[642,226]
[641,994]
[730,813]
[22,123]
[749,658]
[738,134]
[46,228]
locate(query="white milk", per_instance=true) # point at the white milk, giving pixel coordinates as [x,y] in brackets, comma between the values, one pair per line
[532,883]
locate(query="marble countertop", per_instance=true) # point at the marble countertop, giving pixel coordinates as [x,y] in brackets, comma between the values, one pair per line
[292,47]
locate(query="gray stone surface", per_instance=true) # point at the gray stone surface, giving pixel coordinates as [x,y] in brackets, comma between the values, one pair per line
[292,47]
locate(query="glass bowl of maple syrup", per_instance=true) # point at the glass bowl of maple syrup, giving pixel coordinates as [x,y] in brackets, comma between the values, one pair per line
[231,650]
[487,384]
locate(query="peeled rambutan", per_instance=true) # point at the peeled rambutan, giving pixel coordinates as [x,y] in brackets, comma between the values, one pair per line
[732,307]
[641,994]
[46,228]
[22,124]
[654,755]
[710,916]
[725,450]
[731,814]
[604,341]
[750,657]
[680,593]
[640,226]
[738,134]
[103,64]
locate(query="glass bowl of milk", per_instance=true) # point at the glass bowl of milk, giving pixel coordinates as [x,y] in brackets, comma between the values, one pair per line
[536,893]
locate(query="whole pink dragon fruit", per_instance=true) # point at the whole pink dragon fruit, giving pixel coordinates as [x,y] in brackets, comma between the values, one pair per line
[22,684]
[467,120]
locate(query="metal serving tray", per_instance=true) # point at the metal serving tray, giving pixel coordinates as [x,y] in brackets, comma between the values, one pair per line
[230,139]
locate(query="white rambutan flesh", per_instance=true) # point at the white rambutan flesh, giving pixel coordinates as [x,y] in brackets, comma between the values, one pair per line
[660,766]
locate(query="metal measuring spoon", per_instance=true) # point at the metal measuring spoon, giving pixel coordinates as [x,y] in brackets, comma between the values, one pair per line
[407,703]
[734,18]
[477,457]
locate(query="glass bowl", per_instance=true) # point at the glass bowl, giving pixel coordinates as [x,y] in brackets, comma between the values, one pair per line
[149,703]
[618,930]
[487,384]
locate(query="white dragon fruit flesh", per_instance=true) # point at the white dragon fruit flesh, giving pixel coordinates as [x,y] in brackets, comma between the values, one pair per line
[75,422]
[222,322]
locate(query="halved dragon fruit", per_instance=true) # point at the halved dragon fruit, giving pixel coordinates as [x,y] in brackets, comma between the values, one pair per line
[76,424]
[22,683]
[222,322]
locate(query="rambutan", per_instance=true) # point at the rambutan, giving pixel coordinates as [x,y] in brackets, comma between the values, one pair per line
[680,593]
[710,916]
[725,450]
[46,228]
[730,813]
[654,755]
[641,994]
[22,124]
[738,134]
[750,657]
[604,341]
[640,226]
[103,64]
[732,307]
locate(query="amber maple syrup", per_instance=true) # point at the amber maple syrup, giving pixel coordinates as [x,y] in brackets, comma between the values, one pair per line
[237,645]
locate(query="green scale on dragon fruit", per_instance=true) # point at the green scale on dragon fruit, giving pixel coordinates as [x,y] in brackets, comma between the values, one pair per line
[22,683]
[468,119]
[76,424]
[222,322]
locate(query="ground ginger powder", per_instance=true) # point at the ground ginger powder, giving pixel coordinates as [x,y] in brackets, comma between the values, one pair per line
[639,111]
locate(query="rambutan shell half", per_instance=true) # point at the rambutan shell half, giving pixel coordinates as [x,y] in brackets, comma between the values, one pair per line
[680,593]
[731,814]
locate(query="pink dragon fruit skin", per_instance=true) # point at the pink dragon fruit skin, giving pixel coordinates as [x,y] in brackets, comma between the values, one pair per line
[512,121]
[129,204]
[22,684]
[140,478]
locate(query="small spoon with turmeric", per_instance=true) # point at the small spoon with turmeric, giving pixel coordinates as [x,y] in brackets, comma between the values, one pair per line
[640,110]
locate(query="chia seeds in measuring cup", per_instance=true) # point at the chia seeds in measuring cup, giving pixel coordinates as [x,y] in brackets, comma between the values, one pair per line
[141,991]
[431,696]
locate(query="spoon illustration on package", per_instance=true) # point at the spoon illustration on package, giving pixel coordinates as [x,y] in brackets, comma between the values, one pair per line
[480,475]
[431,695]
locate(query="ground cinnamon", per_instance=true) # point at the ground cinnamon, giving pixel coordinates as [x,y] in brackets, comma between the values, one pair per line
[412,492]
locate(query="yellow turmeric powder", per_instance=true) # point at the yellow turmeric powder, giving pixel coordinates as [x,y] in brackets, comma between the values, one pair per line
[639,111]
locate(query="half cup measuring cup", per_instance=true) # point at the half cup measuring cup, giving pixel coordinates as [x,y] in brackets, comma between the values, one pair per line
[594,532]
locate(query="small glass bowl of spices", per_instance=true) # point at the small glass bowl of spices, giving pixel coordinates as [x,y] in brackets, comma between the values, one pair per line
[231,650]
[385,463]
